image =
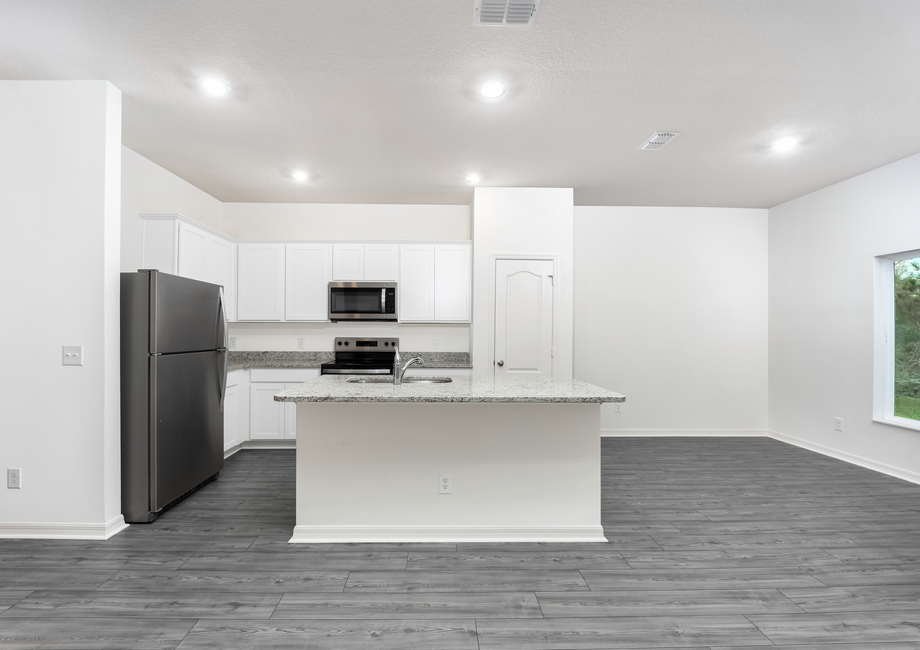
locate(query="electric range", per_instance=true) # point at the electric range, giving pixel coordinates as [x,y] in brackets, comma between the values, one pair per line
[362,356]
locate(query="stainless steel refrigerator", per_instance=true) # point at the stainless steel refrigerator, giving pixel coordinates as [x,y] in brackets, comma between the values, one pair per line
[173,380]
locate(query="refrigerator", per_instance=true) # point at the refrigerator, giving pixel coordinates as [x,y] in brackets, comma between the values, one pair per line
[173,381]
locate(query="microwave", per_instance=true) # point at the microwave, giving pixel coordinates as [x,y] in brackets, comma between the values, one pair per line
[372,301]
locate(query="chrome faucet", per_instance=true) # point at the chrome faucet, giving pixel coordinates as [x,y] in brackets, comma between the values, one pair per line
[399,371]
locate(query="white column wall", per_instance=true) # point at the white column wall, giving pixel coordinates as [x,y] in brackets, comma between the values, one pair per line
[822,248]
[61,170]
[522,220]
[671,311]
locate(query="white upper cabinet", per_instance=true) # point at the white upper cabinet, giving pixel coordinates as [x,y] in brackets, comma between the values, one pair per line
[193,250]
[174,245]
[416,283]
[452,282]
[308,272]
[381,262]
[434,283]
[365,262]
[260,282]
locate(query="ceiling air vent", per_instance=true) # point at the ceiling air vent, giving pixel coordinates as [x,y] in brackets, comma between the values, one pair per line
[658,140]
[504,12]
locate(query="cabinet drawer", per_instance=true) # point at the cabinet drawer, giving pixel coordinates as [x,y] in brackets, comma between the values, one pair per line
[283,374]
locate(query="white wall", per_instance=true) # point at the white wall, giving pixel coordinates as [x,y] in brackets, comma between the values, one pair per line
[822,248]
[147,188]
[345,221]
[671,311]
[518,220]
[60,165]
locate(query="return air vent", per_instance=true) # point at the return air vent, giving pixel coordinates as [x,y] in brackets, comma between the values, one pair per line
[504,12]
[658,140]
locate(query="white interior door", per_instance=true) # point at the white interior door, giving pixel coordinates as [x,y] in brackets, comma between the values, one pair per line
[524,317]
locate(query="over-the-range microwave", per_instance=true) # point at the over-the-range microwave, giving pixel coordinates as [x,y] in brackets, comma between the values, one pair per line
[362,301]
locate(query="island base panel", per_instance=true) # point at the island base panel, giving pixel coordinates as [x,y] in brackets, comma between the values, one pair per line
[368,472]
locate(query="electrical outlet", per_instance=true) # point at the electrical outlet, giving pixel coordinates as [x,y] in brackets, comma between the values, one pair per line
[444,483]
[72,355]
[838,424]
[232,341]
[435,344]
[301,344]
[617,407]
[14,478]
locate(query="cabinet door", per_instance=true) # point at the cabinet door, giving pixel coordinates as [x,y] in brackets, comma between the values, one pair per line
[348,262]
[231,417]
[192,252]
[266,416]
[309,269]
[416,282]
[160,245]
[452,282]
[218,262]
[381,262]
[260,282]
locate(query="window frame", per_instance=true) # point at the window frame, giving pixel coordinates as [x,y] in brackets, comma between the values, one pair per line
[883,384]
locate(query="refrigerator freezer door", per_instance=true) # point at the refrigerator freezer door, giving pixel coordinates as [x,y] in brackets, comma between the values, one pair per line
[187,426]
[187,315]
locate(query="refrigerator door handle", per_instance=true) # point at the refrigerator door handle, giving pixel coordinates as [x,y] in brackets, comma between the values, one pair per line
[222,386]
[223,318]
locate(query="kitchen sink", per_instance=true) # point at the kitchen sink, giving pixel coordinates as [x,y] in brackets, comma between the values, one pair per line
[426,380]
[405,380]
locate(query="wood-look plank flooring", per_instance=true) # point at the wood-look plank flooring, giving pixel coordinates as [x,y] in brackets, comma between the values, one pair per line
[714,544]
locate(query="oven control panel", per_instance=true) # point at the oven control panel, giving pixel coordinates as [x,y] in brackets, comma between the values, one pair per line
[365,344]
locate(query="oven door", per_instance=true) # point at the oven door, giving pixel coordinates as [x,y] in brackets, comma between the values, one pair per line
[361,301]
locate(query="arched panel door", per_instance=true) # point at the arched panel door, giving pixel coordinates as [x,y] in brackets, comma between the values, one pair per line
[523,317]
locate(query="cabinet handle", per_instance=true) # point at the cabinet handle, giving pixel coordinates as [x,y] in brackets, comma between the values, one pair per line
[501,363]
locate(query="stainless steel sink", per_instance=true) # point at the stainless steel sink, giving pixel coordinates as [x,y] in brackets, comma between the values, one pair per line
[426,380]
[405,380]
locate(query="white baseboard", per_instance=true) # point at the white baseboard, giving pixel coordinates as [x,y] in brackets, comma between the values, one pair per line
[62,530]
[854,459]
[683,433]
[269,444]
[232,450]
[380,534]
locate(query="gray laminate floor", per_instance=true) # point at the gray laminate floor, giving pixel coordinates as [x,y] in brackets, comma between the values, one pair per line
[713,543]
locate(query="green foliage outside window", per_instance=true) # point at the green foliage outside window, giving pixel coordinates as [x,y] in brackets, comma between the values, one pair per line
[907,338]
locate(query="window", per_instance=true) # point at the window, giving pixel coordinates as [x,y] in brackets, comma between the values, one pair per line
[897,351]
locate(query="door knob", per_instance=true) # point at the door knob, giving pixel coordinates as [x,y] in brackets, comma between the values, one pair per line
[501,363]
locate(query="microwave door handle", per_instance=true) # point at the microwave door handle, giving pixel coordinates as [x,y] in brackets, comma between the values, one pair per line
[383,301]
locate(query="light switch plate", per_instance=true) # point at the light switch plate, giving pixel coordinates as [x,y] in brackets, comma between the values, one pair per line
[72,355]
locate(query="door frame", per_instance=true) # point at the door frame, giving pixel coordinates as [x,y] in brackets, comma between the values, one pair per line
[494,258]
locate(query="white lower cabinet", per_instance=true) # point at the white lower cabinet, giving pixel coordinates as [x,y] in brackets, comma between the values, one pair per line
[268,419]
[232,435]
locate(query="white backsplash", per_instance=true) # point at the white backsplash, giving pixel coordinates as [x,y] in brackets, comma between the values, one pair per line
[276,337]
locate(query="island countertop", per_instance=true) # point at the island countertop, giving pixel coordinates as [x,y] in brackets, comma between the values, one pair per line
[519,388]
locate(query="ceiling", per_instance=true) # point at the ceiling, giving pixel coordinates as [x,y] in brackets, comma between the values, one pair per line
[378,100]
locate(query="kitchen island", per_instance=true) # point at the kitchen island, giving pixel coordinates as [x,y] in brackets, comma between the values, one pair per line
[522,454]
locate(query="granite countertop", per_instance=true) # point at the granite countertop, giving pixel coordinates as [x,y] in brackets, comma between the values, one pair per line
[539,389]
[300,359]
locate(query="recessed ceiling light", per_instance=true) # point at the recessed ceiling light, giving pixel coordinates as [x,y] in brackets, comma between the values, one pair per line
[493,89]
[472,178]
[782,145]
[214,85]
[300,175]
